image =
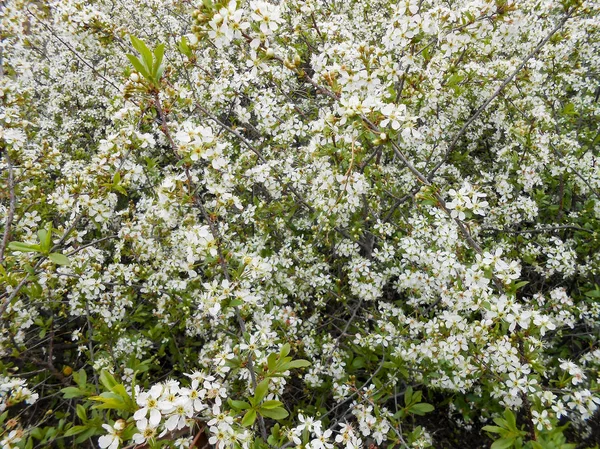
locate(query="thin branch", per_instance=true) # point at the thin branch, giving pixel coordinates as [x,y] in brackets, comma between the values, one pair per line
[217,237]
[498,91]
[11,207]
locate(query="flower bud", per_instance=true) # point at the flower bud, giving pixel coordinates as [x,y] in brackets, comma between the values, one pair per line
[134,77]
[192,38]
[120,425]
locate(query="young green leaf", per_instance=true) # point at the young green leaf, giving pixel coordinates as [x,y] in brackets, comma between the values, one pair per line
[408,395]
[503,443]
[72,392]
[184,47]
[274,413]
[271,404]
[139,67]
[285,350]
[75,430]
[421,409]
[511,420]
[144,51]
[24,247]
[249,418]
[80,410]
[159,52]
[59,259]
[296,364]
[239,405]
[493,429]
[107,380]
[261,390]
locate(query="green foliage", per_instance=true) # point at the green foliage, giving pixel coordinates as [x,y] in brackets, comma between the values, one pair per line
[150,65]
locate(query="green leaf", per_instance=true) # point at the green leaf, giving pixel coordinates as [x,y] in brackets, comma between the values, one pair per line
[110,401]
[408,395]
[569,109]
[72,392]
[59,259]
[36,433]
[518,285]
[81,413]
[593,294]
[239,405]
[236,302]
[494,429]
[358,362]
[511,420]
[296,364]
[184,47]
[274,413]
[139,67]
[261,390]
[143,50]
[272,362]
[24,247]
[417,396]
[271,404]
[159,53]
[81,378]
[454,80]
[421,409]
[503,443]
[120,189]
[501,422]
[75,430]
[122,392]
[285,350]
[249,418]
[107,380]
[43,238]
[86,435]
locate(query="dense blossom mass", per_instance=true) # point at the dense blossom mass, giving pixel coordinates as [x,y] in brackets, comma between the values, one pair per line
[300,223]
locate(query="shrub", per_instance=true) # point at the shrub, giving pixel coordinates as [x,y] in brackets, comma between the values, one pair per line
[307,223]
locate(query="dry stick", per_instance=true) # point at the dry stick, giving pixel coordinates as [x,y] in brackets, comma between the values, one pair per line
[486,103]
[216,235]
[11,208]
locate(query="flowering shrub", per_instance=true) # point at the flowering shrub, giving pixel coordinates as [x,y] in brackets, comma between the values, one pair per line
[311,223]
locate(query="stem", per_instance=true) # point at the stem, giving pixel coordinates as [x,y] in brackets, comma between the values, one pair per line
[11,207]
